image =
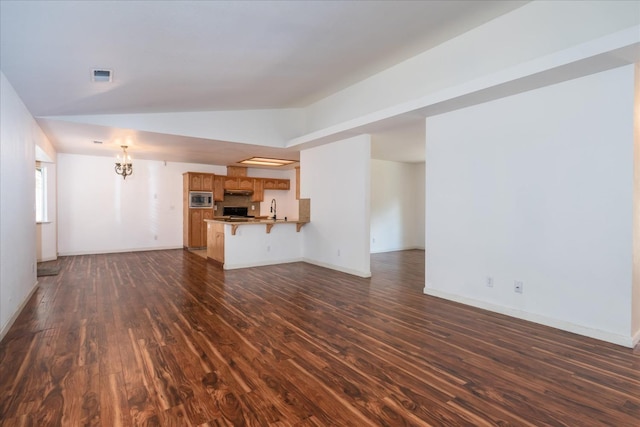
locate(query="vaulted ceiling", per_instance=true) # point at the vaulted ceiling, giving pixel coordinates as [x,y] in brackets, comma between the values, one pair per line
[185,56]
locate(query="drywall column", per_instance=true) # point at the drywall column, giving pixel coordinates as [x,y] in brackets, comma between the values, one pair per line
[635,295]
[537,188]
[337,179]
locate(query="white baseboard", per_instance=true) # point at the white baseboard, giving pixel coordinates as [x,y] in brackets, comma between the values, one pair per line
[117,251]
[543,320]
[364,274]
[407,248]
[19,309]
[228,266]
[47,259]
[358,273]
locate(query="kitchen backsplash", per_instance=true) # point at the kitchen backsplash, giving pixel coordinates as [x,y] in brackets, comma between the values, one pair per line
[235,200]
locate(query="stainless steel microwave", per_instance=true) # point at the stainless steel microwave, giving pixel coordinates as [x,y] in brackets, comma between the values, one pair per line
[200,199]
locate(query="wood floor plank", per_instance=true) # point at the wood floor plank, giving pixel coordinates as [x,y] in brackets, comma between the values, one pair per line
[114,409]
[164,338]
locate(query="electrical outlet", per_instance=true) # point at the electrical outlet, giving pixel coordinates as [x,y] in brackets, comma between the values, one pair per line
[268,248]
[489,282]
[338,252]
[518,286]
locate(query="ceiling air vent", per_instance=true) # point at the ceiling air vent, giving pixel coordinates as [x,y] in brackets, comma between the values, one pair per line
[101,75]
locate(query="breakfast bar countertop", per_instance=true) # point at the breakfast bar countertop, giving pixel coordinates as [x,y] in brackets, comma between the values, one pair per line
[243,242]
[234,222]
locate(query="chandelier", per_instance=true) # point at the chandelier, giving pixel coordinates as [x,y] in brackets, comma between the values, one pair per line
[124,166]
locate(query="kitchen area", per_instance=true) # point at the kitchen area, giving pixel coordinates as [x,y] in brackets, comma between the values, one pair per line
[230,217]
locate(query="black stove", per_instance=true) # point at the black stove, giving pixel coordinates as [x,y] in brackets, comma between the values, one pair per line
[236,211]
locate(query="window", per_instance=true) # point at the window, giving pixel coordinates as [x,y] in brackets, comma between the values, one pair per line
[41,194]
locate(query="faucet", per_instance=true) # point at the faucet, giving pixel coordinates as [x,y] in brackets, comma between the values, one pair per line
[273,208]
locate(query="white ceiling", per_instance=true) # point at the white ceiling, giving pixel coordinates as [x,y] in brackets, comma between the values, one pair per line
[175,56]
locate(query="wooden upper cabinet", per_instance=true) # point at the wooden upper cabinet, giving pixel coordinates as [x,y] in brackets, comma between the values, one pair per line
[270,184]
[200,181]
[238,183]
[218,188]
[249,183]
[195,181]
[245,183]
[283,184]
[258,190]
[276,184]
[231,183]
[207,182]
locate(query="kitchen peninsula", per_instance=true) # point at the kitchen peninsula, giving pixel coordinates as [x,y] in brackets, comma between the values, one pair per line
[208,196]
[232,243]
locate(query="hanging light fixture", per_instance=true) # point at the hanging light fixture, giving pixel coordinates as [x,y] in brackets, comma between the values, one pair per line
[124,166]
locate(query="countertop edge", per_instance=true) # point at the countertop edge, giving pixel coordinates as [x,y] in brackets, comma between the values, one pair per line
[258,222]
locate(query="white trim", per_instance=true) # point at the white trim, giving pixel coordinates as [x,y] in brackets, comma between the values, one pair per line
[116,251]
[358,273]
[364,274]
[228,266]
[408,248]
[19,309]
[543,320]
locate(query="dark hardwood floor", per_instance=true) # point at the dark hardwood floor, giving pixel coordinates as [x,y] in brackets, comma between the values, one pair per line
[163,338]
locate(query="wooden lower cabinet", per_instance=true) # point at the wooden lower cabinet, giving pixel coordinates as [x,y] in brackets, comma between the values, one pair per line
[198,228]
[215,235]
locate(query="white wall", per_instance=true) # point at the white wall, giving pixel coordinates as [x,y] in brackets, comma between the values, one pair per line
[397,206]
[19,135]
[286,203]
[336,177]
[537,187]
[100,212]
[252,246]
